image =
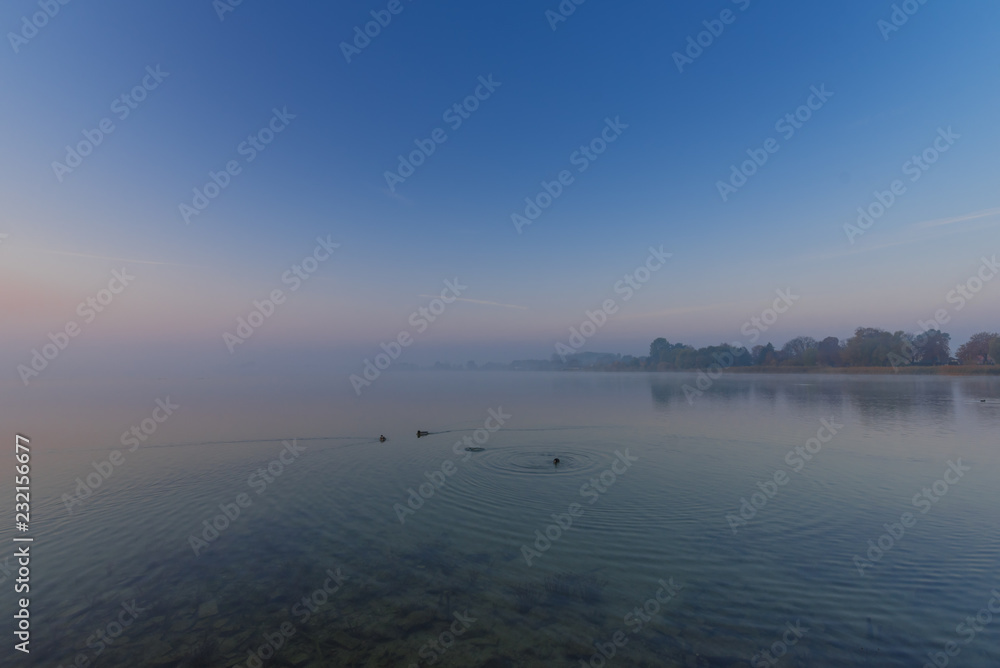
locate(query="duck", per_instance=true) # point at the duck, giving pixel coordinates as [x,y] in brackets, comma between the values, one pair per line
[381,439]
[422,433]
[556,461]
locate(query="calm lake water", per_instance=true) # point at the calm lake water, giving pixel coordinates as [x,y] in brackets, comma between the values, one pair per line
[705,532]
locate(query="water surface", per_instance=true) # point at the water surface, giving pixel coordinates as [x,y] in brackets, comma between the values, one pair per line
[659,475]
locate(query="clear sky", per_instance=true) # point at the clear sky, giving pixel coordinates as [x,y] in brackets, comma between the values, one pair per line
[889,94]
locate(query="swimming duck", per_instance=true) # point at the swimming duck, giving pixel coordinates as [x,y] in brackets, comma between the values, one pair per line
[381,439]
[556,461]
[422,433]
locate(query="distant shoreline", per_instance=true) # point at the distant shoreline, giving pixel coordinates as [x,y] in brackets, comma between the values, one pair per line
[941,370]
[950,370]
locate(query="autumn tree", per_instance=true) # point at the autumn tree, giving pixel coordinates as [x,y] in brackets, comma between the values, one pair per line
[977,349]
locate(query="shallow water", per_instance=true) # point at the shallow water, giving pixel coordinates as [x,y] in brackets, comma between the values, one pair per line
[654,477]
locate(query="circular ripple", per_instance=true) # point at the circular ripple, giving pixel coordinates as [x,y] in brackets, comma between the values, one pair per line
[504,484]
[529,461]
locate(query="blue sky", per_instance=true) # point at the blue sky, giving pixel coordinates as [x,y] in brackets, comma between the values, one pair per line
[655,185]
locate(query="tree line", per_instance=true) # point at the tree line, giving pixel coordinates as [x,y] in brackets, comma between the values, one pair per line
[869,347]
